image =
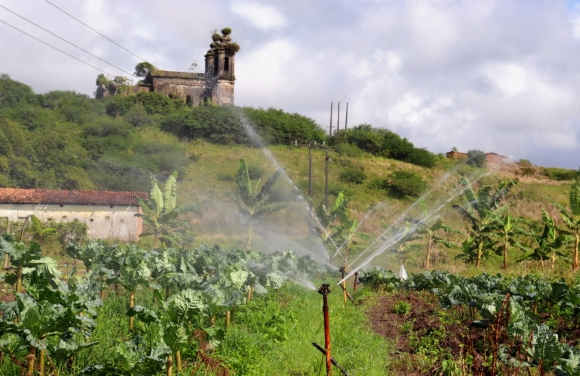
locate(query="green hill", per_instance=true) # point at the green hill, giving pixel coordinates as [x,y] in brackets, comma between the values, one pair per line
[66,140]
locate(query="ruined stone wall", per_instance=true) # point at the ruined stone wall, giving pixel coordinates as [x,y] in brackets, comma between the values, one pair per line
[223,93]
[181,88]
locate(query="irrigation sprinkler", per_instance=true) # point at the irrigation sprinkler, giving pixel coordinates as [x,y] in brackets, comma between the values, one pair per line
[354,282]
[345,293]
[331,359]
[342,271]
[324,290]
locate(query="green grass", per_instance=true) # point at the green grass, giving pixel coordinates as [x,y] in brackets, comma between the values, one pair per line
[255,344]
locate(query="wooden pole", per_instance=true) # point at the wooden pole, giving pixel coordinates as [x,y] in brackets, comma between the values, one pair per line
[326,181]
[310,169]
[331,110]
[338,120]
[346,119]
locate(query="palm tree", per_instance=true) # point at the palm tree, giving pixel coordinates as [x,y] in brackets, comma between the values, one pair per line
[571,220]
[253,202]
[481,211]
[160,214]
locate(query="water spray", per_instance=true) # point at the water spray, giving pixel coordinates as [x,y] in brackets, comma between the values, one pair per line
[324,290]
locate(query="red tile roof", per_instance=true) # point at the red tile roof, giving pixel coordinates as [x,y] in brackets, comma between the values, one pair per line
[62,197]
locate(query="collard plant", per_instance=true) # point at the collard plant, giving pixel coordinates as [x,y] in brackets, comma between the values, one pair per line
[161,215]
[253,201]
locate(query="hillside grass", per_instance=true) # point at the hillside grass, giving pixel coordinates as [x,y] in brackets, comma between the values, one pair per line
[209,179]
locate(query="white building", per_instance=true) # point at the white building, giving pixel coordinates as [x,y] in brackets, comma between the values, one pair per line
[108,215]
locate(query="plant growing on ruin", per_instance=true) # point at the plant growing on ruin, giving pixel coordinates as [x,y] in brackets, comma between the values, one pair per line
[252,201]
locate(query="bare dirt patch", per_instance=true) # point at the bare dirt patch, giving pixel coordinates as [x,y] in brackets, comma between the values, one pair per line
[425,332]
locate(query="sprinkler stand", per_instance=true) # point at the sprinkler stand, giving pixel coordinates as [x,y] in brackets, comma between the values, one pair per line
[354,282]
[324,290]
[331,359]
[342,271]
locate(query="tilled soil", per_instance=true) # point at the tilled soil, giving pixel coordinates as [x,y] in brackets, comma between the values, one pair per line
[422,320]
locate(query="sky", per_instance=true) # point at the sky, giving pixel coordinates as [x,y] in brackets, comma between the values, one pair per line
[501,76]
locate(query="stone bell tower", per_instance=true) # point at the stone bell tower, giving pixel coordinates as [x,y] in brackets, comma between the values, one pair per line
[220,63]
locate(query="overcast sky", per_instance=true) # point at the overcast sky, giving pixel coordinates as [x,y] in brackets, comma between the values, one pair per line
[501,76]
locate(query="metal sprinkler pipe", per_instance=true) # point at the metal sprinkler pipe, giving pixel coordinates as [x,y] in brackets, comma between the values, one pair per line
[324,290]
[331,358]
[354,282]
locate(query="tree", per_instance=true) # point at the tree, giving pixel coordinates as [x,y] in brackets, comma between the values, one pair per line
[476,158]
[571,220]
[253,202]
[143,68]
[160,214]
[481,211]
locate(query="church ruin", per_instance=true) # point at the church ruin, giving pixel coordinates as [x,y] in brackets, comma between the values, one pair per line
[216,84]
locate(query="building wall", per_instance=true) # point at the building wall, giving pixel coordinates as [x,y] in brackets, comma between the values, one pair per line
[104,222]
[224,93]
[181,88]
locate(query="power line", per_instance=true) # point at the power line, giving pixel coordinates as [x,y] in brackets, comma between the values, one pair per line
[109,39]
[72,44]
[76,58]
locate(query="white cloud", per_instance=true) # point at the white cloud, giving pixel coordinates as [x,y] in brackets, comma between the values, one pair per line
[261,16]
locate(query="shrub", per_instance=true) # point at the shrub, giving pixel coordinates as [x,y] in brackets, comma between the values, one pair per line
[255,172]
[155,103]
[403,184]
[559,174]
[421,157]
[120,105]
[376,184]
[476,158]
[353,175]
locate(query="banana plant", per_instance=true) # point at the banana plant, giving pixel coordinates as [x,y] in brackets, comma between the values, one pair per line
[161,215]
[481,211]
[546,241]
[327,216]
[571,219]
[507,229]
[252,201]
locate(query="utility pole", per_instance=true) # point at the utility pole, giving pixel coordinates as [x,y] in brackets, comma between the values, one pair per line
[331,110]
[338,120]
[346,120]
[326,182]
[310,167]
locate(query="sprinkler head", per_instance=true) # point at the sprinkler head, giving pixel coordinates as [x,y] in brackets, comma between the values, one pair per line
[342,269]
[324,289]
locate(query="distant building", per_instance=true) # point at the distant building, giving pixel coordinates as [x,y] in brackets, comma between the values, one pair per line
[216,84]
[490,158]
[108,215]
